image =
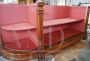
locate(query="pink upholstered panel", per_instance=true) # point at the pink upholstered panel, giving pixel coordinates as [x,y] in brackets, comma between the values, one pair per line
[78,12]
[21,13]
[9,37]
[56,35]
[78,26]
[61,12]
[12,13]
[25,40]
[56,12]
[49,12]
[32,14]
[15,14]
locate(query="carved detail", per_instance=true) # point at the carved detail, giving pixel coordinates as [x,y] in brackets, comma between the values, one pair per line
[40,23]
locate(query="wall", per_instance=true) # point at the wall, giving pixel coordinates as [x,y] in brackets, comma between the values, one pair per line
[76,2]
[10,1]
[55,2]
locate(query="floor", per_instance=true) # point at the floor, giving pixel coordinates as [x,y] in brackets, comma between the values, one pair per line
[66,54]
[70,52]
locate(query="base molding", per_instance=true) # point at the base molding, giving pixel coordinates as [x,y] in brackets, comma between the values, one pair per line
[27,55]
[15,55]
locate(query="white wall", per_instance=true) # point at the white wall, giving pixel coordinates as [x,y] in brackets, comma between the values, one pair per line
[55,2]
[76,2]
[10,1]
[61,2]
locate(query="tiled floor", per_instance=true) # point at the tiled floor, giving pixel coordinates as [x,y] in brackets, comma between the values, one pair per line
[70,52]
[3,59]
[66,54]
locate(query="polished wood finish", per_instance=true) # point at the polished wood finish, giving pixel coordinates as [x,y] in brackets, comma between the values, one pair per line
[18,55]
[22,1]
[25,1]
[86,20]
[40,23]
[40,30]
[15,55]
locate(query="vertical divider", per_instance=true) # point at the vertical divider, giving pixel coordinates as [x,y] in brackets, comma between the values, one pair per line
[40,23]
[86,18]
[40,35]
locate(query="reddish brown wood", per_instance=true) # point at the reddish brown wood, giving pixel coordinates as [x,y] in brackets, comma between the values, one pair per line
[86,20]
[40,30]
[15,55]
[40,23]
[20,60]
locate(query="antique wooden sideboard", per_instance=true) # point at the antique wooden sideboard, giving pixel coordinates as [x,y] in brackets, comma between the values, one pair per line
[36,30]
